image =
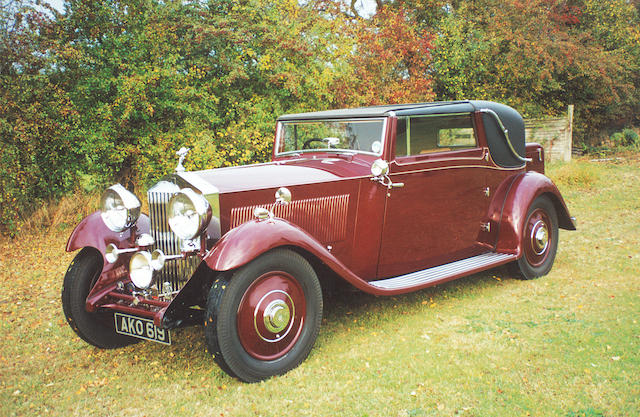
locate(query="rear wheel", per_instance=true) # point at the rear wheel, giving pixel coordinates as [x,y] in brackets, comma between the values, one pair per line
[264,320]
[539,240]
[95,328]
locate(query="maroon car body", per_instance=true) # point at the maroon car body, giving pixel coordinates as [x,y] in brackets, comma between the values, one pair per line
[399,198]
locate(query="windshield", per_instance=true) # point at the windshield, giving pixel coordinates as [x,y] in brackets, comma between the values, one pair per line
[355,135]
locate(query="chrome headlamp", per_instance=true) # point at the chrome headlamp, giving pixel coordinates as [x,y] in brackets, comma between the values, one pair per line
[119,208]
[189,214]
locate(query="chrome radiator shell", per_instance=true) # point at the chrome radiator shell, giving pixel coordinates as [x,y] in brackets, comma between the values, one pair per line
[175,273]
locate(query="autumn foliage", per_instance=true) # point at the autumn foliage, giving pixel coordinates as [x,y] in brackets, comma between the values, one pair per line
[391,62]
[107,91]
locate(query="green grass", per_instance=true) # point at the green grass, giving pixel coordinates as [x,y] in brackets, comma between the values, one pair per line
[567,344]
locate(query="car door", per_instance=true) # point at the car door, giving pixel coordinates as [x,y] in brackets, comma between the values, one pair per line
[436,217]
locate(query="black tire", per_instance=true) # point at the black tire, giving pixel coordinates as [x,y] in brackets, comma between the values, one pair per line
[254,326]
[540,226]
[95,328]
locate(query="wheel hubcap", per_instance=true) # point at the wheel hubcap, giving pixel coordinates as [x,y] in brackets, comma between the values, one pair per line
[271,315]
[276,316]
[539,237]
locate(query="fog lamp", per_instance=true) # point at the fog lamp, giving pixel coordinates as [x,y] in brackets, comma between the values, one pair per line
[140,270]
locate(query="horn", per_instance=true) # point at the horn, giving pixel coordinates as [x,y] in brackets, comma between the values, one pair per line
[112,252]
[158,258]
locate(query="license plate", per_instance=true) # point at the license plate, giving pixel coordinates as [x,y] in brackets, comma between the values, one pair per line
[141,328]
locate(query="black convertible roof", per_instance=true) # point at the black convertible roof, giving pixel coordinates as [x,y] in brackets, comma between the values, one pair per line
[382,111]
[507,148]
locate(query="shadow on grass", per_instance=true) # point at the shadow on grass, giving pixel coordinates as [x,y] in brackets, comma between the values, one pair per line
[346,299]
[188,348]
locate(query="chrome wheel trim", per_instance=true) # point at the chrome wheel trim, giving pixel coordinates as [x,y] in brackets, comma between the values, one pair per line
[275,316]
[539,237]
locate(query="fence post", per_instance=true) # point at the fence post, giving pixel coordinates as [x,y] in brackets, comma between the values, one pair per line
[568,143]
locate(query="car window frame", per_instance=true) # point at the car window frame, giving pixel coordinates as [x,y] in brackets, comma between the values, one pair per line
[280,133]
[451,152]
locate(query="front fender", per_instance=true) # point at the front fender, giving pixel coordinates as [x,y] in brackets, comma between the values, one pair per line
[253,238]
[523,191]
[92,232]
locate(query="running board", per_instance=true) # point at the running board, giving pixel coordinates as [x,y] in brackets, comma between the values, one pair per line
[443,272]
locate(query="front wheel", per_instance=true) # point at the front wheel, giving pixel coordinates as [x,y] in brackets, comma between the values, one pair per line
[97,328]
[539,240]
[263,320]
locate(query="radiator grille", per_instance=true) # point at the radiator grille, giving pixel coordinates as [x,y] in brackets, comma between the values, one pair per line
[325,218]
[175,272]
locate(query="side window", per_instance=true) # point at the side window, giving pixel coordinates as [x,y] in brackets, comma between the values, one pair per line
[418,135]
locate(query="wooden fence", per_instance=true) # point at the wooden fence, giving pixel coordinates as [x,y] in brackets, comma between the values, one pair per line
[554,134]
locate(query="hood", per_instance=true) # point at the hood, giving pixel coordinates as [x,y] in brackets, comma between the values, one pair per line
[277,174]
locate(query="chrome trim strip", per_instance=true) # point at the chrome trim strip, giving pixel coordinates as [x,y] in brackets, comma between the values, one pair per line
[417,171]
[438,273]
[442,159]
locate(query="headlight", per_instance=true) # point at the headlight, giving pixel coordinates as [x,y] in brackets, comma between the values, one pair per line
[189,214]
[140,270]
[120,208]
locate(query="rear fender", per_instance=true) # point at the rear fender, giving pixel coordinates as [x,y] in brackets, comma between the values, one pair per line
[523,191]
[253,238]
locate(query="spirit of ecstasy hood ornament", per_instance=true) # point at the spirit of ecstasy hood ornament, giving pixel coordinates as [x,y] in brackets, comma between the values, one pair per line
[182,153]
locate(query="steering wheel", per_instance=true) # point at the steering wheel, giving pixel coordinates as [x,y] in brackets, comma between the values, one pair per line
[353,143]
[308,142]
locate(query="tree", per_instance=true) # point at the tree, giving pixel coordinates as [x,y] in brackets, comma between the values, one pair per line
[389,62]
[149,77]
[37,118]
[540,56]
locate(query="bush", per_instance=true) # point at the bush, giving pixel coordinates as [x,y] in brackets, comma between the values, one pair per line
[625,138]
[576,174]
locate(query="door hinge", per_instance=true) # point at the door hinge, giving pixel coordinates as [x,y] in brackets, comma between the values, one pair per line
[487,192]
[485,227]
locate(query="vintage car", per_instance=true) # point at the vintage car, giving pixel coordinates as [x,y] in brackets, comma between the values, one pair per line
[389,199]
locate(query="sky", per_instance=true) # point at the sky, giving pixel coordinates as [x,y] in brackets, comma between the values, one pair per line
[365,7]
[57,4]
